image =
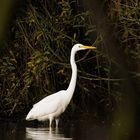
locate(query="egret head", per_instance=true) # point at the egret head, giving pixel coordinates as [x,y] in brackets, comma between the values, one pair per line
[78,47]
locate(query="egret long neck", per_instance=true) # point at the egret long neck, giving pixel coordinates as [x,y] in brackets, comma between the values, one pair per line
[72,84]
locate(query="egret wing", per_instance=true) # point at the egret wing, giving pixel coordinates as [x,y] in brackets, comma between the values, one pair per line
[45,107]
[49,98]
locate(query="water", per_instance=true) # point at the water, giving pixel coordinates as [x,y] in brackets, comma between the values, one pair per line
[45,133]
[77,130]
[19,131]
[82,130]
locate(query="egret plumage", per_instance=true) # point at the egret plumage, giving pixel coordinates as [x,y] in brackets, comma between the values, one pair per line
[52,106]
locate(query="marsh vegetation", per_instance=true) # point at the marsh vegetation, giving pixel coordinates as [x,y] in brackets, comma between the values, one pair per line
[35,50]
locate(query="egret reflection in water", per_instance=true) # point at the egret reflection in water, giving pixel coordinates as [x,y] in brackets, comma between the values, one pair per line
[45,133]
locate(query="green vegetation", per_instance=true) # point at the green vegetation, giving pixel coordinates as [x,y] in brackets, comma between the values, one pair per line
[34,61]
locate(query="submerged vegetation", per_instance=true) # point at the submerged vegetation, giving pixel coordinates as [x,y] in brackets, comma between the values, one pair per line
[34,61]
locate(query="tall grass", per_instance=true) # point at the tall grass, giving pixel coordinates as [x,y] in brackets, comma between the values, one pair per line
[124,15]
[36,62]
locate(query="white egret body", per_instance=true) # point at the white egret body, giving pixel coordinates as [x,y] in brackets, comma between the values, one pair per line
[52,106]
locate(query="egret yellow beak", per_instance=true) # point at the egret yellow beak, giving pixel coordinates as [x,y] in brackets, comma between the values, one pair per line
[89,47]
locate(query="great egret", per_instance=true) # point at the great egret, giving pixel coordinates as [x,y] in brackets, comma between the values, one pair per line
[52,106]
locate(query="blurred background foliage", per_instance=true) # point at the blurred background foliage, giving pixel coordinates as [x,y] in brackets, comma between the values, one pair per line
[34,60]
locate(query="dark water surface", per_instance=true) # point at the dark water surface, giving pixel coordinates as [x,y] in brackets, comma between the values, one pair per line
[77,130]
[82,130]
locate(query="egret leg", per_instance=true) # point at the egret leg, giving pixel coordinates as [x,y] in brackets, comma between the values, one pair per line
[50,122]
[56,121]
